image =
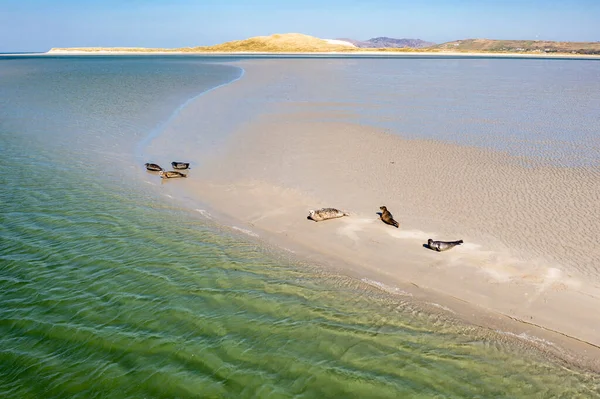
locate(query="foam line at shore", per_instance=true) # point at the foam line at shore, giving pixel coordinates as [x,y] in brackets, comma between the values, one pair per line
[154,133]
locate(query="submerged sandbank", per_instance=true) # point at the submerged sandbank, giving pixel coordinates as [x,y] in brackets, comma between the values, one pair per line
[529,227]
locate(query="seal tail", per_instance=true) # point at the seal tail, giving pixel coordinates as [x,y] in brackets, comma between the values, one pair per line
[458,242]
[344,213]
[396,224]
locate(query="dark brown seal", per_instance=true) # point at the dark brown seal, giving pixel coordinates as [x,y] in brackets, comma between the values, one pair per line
[170,174]
[387,217]
[153,167]
[442,245]
[180,165]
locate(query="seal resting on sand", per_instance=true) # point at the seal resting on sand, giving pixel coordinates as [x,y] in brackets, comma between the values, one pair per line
[386,217]
[442,245]
[325,213]
[171,174]
[153,167]
[180,165]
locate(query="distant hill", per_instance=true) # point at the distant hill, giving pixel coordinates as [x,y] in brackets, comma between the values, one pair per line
[277,43]
[286,42]
[299,43]
[517,46]
[388,42]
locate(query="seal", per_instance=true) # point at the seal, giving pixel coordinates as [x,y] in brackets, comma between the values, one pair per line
[325,213]
[170,174]
[180,165]
[153,167]
[442,245]
[387,218]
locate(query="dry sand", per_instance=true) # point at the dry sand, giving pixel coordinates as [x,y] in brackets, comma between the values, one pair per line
[530,230]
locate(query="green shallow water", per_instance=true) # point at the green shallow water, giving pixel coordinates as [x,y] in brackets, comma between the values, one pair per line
[108,290]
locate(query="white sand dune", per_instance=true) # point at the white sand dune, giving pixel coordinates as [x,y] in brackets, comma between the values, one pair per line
[340,42]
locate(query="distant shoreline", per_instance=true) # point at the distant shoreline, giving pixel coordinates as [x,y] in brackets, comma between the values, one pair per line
[301,44]
[101,51]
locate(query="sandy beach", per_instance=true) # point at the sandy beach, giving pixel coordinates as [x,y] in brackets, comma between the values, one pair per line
[529,263]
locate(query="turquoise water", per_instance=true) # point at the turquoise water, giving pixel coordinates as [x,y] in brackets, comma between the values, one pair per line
[107,290]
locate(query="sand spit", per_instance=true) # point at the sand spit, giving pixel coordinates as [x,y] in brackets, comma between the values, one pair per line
[350,53]
[530,251]
[301,44]
[520,256]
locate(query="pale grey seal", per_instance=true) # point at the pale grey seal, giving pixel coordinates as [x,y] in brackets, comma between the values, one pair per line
[386,217]
[153,167]
[325,213]
[169,174]
[442,245]
[180,165]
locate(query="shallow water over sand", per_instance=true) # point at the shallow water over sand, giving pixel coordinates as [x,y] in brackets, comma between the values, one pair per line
[540,108]
[108,288]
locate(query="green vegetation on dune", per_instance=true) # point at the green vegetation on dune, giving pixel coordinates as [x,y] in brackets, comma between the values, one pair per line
[520,46]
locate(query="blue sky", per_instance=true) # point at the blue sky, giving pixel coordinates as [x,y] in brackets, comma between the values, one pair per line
[38,25]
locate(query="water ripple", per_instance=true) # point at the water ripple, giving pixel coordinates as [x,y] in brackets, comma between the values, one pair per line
[107,290]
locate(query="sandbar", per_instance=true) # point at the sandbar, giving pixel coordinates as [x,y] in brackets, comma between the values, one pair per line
[530,262]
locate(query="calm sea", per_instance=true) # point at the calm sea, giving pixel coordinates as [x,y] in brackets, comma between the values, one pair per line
[109,290]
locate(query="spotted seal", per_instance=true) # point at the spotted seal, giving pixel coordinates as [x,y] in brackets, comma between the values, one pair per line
[442,245]
[386,217]
[153,167]
[180,165]
[325,213]
[170,174]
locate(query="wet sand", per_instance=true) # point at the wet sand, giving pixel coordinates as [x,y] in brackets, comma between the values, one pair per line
[530,228]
